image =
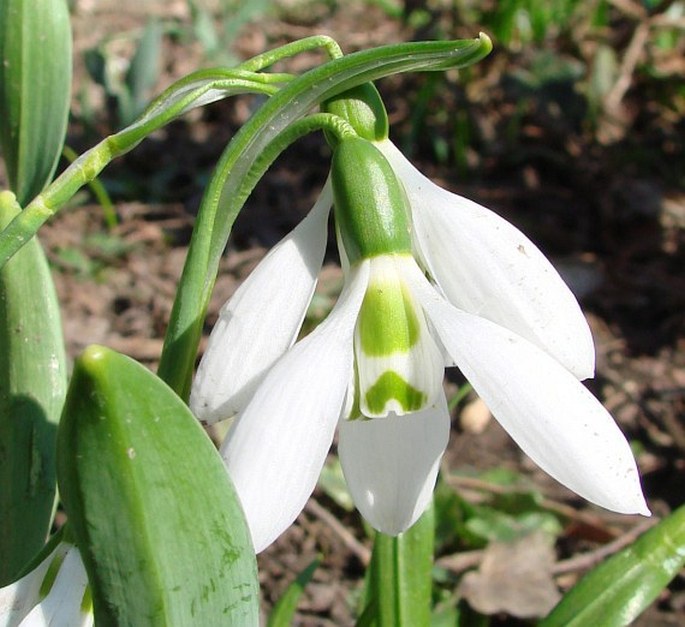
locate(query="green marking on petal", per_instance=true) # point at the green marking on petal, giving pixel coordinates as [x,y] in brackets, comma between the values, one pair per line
[392,387]
[387,321]
[354,412]
[87,601]
[51,575]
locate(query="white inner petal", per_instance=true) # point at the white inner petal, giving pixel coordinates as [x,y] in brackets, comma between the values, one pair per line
[62,605]
[399,366]
[19,598]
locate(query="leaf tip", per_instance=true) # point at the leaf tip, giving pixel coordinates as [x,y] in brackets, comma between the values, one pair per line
[485,42]
[93,355]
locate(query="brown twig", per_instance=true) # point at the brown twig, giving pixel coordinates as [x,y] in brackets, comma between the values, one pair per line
[362,552]
[628,64]
[590,559]
[632,9]
[459,562]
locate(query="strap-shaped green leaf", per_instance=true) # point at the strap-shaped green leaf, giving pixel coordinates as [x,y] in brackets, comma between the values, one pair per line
[283,612]
[32,390]
[153,511]
[614,593]
[35,88]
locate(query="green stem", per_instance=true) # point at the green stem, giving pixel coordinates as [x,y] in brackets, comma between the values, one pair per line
[84,169]
[399,588]
[230,184]
[197,89]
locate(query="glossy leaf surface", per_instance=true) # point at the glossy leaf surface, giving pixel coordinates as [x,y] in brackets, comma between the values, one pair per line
[619,589]
[35,88]
[32,390]
[153,511]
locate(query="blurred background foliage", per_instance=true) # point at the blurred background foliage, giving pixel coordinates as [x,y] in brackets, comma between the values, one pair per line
[595,82]
[592,70]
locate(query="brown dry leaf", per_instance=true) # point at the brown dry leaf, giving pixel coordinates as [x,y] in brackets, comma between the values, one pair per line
[514,577]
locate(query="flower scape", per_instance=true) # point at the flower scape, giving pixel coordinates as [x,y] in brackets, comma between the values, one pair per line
[432,280]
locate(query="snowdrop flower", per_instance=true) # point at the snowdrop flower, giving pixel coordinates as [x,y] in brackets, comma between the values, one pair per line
[55,593]
[431,280]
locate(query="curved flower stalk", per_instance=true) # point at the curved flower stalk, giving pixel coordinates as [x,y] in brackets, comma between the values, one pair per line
[54,593]
[431,279]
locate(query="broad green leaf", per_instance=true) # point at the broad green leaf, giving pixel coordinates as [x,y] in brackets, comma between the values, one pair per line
[35,87]
[32,390]
[153,511]
[284,610]
[399,582]
[614,593]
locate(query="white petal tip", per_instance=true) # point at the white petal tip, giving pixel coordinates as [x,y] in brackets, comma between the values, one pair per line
[277,446]
[583,371]
[632,510]
[637,506]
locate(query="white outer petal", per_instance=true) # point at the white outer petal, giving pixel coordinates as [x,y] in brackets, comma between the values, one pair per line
[21,603]
[19,598]
[262,319]
[62,606]
[391,464]
[552,417]
[486,266]
[276,448]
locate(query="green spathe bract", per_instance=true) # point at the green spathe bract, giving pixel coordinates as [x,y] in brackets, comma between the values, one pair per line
[370,208]
[154,514]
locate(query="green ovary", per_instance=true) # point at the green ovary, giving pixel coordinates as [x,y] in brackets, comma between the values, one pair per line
[392,387]
[387,321]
